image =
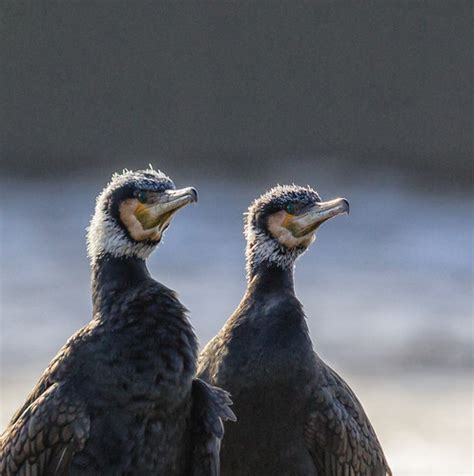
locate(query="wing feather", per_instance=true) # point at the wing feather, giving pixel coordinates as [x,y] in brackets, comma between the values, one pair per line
[45,437]
[339,434]
[211,407]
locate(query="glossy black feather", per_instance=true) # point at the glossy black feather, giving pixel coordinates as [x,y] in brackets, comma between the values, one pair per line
[129,375]
[296,416]
[119,397]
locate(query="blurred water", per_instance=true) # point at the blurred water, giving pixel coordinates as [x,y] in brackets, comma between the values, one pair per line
[386,290]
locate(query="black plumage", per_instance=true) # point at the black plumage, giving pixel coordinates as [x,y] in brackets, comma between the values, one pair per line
[120,397]
[296,415]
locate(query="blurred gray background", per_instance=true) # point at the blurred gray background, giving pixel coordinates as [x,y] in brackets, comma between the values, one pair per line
[368,100]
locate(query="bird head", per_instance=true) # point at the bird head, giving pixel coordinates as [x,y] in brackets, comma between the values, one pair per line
[282,223]
[132,213]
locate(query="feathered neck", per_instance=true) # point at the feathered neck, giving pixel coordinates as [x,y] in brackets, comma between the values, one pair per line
[264,252]
[112,275]
[270,278]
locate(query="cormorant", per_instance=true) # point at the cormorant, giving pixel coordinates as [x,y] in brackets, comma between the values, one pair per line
[120,397]
[296,416]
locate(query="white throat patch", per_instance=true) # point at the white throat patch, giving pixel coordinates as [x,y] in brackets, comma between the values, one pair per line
[262,248]
[277,245]
[104,235]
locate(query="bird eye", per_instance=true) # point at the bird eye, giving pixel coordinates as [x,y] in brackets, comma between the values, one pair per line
[290,208]
[141,196]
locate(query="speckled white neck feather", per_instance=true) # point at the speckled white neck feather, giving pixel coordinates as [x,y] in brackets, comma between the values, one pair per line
[104,234]
[263,248]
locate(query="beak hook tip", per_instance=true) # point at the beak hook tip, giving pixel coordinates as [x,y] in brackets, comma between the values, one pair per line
[194,195]
[347,206]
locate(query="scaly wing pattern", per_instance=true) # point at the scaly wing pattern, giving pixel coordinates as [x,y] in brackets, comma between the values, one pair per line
[339,435]
[45,437]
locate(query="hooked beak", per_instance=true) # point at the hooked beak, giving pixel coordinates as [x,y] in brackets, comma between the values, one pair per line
[310,219]
[160,208]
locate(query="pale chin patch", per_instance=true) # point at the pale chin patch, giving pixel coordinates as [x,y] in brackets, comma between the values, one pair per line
[262,247]
[104,235]
[135,228]
[284,236]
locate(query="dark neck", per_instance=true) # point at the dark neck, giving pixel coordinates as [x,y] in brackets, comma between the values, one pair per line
[267,277]
[114,275]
